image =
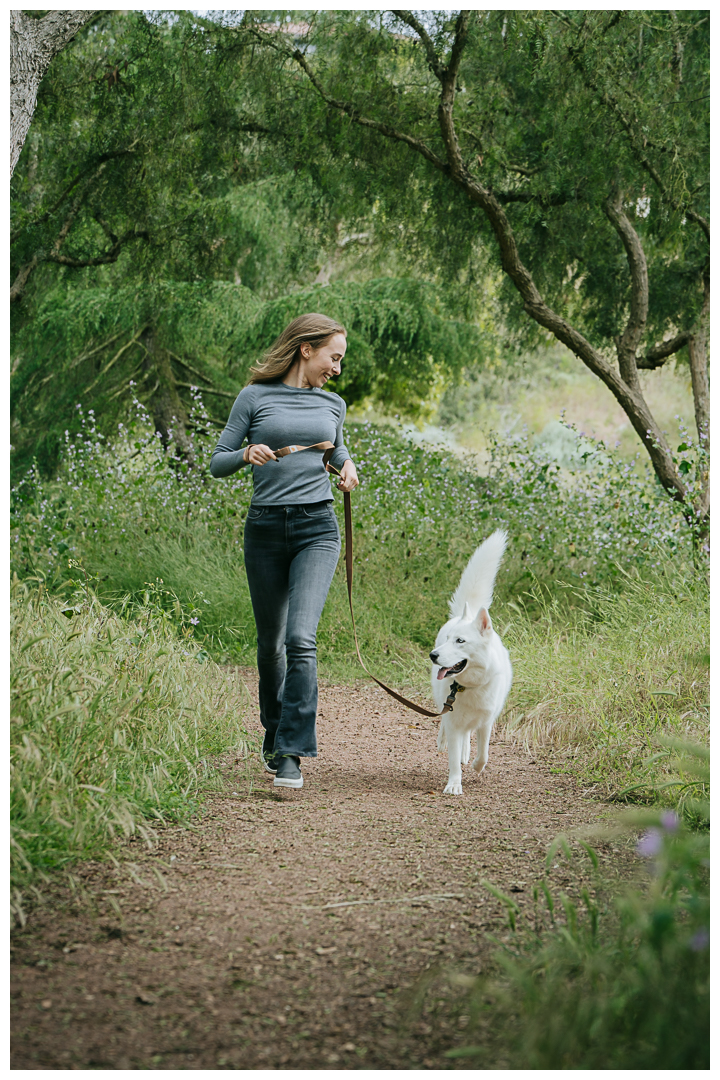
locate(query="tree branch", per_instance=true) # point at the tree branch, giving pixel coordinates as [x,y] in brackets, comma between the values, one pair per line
[627,343]
[433,59]
[656,356]
[115,358]
[697,348]
[364,121]
[102,160]
[637,145]
[109,256]
[447,97]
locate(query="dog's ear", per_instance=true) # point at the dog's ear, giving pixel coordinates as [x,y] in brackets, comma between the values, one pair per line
[483,620]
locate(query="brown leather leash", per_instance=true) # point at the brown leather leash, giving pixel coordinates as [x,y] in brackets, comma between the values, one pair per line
[455,688]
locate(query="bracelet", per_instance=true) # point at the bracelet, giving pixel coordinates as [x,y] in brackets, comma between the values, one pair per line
[246,452]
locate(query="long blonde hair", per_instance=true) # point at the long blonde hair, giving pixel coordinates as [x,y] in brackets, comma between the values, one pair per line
[312,328]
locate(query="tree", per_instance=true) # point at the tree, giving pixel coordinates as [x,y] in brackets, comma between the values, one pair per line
[162,236]
[33,44]
[578,144]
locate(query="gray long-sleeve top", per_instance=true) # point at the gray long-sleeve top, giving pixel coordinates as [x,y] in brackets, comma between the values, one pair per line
[280,415]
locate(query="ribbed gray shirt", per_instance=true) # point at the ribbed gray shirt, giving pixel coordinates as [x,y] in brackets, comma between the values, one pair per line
[279,415]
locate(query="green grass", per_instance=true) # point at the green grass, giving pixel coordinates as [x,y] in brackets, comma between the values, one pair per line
[114,722]
[602,690]
[134,585]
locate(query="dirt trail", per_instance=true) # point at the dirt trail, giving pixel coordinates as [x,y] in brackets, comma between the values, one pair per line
[246,957]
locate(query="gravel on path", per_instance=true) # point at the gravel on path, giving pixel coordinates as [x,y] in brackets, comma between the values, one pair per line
[292,929]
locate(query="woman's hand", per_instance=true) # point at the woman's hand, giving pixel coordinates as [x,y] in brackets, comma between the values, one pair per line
[259,454]
[348,477]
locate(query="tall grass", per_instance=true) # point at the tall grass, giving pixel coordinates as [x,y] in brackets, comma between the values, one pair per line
[132,515]
[601,689]
[113,721]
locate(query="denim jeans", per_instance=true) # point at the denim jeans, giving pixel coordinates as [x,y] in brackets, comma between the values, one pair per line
[290,557]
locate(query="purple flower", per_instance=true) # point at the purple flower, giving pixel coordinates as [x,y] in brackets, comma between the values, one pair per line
[700,940]
[194,621]
[669,820]
[650,844]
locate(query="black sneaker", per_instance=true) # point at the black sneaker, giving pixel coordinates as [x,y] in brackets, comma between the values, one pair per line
[288,772]
[269,760]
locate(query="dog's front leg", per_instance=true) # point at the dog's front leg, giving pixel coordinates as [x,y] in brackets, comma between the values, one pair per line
[455,742]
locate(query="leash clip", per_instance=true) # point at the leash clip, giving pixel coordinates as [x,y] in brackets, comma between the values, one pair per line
[455,688]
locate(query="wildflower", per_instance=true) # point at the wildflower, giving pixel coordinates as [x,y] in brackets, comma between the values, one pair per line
[194,621]
[700,939]
[669,820]
[650,844]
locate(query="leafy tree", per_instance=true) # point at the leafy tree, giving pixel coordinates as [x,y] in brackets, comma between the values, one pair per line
[162,236]
[572,145]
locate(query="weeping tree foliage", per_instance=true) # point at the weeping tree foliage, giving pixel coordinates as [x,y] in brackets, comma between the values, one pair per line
[571,148]
[163,236]
[101,348]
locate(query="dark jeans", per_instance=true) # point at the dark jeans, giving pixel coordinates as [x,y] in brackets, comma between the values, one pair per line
[290,557]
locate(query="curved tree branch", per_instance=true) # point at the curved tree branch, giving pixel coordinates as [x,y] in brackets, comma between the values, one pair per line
[627,343]
[656,356]
[433,59]
[364,121]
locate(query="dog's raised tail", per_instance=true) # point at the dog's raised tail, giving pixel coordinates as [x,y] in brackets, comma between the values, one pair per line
[478,580]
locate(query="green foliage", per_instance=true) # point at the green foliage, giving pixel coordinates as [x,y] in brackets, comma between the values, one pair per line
[112,723]
[553,111]
[171,210]
[605,985]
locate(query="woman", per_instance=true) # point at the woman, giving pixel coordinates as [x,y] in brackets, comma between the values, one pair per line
[292,539]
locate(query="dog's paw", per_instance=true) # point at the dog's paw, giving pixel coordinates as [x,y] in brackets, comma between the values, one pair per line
[478,764]
[454,787]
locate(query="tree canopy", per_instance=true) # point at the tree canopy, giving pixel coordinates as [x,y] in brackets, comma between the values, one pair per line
[570,149]
[162,237]
[439,181]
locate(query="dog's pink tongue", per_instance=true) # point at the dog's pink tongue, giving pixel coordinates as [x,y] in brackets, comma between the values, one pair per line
[442,672]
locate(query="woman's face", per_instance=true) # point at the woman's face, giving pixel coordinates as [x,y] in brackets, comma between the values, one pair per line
[319,365]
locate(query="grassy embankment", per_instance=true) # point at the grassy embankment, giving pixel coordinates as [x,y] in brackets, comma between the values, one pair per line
[114,722]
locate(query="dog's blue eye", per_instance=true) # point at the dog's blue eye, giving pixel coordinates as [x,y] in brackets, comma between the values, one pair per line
[459,640]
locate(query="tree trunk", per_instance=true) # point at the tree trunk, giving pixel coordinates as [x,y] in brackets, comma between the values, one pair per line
[699,373]
[168,411]
[33,44]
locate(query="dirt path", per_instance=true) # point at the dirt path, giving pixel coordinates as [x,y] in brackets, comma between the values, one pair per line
[242,945]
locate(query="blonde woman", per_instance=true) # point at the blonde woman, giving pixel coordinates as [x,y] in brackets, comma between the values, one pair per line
[292,539]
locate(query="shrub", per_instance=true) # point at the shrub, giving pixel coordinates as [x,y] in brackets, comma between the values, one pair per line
[135,514]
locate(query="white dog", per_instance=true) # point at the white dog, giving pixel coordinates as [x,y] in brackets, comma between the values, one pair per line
[470,654]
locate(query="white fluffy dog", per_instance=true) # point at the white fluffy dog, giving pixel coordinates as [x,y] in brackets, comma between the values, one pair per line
[470,654]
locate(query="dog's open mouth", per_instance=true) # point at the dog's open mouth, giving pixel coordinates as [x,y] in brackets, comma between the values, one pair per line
[445,671]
